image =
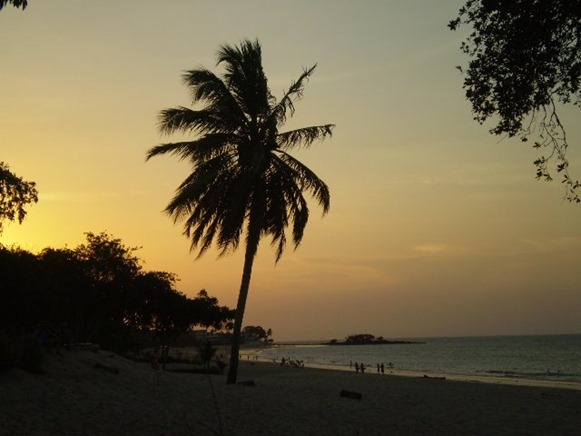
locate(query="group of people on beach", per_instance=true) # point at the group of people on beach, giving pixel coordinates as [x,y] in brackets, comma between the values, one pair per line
[291,362]
[248,357]
[360,367]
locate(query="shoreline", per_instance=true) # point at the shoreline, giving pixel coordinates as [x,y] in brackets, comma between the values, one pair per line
[254,356]
[512,381]
[527,374]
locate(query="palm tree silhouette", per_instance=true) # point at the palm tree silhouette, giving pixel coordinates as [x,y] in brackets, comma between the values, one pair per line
[243,181]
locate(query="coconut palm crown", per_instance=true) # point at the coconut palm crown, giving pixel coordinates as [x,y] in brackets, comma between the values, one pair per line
[243,182]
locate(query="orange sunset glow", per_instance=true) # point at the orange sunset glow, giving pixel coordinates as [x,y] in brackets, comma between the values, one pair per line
[436,227]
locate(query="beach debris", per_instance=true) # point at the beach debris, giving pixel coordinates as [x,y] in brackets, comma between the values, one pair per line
[350,394]
[434,377]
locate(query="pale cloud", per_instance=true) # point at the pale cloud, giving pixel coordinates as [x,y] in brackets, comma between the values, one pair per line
[552,244]
[432,249]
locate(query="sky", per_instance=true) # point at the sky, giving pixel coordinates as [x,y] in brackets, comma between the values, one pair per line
[436,227]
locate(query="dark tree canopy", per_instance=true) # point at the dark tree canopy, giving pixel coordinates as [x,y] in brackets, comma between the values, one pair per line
[525,61]
[257,333]
[98,293]
[15,193]
[16,3]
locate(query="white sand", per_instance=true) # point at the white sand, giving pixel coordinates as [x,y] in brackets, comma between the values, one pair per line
[75,397]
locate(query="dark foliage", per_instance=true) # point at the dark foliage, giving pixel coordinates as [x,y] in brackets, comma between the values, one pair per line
[525,61]
[16,3]
[257,333]
[15,193]
[95,293]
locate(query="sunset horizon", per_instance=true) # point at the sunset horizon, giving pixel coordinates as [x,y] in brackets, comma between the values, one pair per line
[436,227]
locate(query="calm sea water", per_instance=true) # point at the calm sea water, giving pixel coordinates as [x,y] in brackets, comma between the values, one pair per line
[551,357]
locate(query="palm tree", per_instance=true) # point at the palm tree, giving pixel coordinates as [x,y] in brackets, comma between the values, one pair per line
[243,181]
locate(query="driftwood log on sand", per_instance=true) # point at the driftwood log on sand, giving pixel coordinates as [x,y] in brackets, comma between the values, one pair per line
[350,394]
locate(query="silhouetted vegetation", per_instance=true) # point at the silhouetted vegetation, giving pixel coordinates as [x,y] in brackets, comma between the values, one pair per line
[15,193]
[256,333]
[96,293]
[368,339]
[243,181]
[16,3]
[525,59]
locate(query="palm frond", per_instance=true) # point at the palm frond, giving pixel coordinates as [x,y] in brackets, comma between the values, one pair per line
[202,201]
[206,86]
[286,103]
[286,205]
[189,120]
[245,78]
[304,136]
[308,180]
[200,149]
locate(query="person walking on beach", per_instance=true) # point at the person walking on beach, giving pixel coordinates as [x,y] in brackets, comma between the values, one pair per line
[382,368]
[356,367]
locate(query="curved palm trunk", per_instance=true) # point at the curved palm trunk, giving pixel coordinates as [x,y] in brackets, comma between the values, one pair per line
[251,249]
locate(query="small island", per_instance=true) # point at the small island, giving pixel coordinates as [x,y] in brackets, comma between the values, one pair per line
[368,339]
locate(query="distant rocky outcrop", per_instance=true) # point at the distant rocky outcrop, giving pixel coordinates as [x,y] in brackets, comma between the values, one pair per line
[368,339]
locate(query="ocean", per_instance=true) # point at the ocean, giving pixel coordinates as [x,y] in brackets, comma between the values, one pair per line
[547,357]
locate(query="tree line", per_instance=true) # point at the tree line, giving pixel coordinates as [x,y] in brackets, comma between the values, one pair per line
[98,293]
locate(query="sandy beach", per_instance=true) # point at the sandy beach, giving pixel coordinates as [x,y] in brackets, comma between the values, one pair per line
[100,393]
